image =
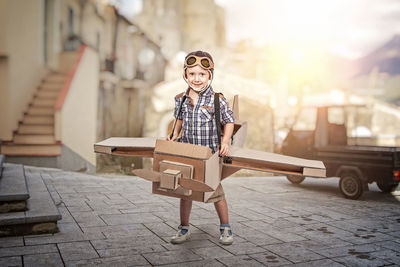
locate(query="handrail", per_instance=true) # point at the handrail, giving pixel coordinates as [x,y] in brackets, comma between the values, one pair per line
[64,90]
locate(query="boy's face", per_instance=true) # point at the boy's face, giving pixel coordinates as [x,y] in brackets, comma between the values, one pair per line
[197,77]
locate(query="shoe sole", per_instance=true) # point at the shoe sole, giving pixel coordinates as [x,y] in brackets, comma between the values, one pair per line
[180,242]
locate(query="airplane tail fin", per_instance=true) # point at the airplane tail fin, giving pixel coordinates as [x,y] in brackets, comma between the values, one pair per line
[235,107]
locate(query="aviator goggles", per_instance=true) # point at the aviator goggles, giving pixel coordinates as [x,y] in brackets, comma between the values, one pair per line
[203,62]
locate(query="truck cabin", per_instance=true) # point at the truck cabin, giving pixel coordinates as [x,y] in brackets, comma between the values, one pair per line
[317,127]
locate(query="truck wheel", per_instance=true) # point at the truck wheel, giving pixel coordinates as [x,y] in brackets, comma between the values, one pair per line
[351,186]
[386,188]
[295,179]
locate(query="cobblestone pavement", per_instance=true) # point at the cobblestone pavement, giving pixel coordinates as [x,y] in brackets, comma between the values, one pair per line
[116,221]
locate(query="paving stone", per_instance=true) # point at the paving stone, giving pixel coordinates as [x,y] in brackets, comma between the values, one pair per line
[211,252]
[395,246]
[365,238]
[348,250]
[87,219]
[50,259]
[121,261]
[77,251]
[282,235]
[171,257]
[294,251]
[130,218]
[363,260]
[35,182]
[27,250]
[242,260]
[62,237]
[243,248]
[203,263]
[387,255]
[317,263]
[11,261]
[12,241]
[270,259]
[113,252]
[200,243]
[127,242]
[109,229]
[161,229]
[13,184]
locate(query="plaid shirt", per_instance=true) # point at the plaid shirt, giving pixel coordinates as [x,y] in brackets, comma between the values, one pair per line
[198,122]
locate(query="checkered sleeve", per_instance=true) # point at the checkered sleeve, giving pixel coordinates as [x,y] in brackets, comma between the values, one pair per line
[177,105]
[226,111]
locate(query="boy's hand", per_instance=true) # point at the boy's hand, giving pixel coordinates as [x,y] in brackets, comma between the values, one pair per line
[224,151]
[173,138]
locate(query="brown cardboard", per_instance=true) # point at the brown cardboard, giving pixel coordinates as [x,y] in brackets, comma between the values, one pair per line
[182,149]
[240,134]
[276,162]
[195,185]
[228,170]
[169,179]
[185,169]
[235,107]
[212,176]
[143,146]
[198,175]
[148,175]
[314,172]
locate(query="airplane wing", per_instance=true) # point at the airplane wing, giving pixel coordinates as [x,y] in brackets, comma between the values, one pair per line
[270,162]
[127,146]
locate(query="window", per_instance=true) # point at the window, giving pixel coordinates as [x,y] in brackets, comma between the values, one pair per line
[306,120]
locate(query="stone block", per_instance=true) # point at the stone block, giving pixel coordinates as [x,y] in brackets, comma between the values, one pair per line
[13,184]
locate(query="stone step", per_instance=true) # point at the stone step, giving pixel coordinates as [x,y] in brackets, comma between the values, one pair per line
[35,129]
[40,111]
[30,150]
[34,139]
[50,86]
[43,102]
[2,159]
[42,214]
[47,94]
[55,78]
[13,189]
[38,120]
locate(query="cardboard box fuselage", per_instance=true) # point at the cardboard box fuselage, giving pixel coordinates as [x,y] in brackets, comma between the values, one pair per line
[206,167]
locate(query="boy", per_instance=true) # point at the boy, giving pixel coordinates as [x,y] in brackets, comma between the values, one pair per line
[197,120]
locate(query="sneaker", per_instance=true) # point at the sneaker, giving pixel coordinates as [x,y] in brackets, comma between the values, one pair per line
[226,237]
[182,235]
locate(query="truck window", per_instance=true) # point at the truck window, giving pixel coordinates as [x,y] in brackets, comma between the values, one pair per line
[306,120]
[336,115]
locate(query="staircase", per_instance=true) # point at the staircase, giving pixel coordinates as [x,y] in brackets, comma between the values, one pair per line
[26,206]
[35,134]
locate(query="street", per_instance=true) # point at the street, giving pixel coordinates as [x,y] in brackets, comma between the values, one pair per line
[115,220]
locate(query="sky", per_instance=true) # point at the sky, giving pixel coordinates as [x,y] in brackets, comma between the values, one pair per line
[347,28]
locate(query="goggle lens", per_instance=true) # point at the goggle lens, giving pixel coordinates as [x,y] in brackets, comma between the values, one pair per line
[205,63]
[191,61]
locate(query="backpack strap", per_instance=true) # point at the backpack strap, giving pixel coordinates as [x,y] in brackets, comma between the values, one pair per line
[217,115]
[177,116]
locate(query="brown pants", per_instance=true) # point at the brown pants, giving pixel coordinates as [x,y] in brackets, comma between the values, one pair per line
[217,196]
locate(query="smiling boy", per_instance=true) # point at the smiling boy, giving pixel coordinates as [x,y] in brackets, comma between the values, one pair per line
[196,119]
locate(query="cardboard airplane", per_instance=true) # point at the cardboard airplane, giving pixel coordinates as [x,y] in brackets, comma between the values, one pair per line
[192,172]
